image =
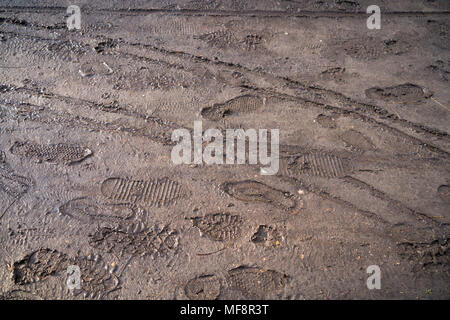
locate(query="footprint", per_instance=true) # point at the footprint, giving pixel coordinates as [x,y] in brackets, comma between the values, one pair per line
[88,210]
[401,93]
[433,256]
[102,46]
[154,192]
[357,140]
[239,105]
[219,226]
[39,265]
[444,193]
[89,69]
[19,295]
[153,241]
[11,183]
[97,277]
[440,69]
[336,74]
[205,287]
[60,153]
[256,283]
[326,121]
[368,48]
[254,191]
[218,39]
[252,41]
[319,164]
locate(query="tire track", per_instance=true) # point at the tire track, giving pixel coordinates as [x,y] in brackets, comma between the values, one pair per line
[222,13]
[159,130]
[352,105]
[311,93]
[328,196]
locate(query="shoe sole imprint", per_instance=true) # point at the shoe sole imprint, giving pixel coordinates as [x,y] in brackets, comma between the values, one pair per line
[50,50]
[39,265]
[341,5]
[401,93]
[97,277]
[326,121]
[432,255]
[320,165]
[254,191]
[252,41]
[88,210]
[358,140]
[19,295]
[175,27]
[153,242]
[206,287]
[267,236]
[195,5]
[219,226]
[255,282]
[444,193]
[355,112]
[154,192]
[218,38]
[61,153]
[333,74]
[158,130]
[368,49]
[11,183]
[442,31]
[238,105]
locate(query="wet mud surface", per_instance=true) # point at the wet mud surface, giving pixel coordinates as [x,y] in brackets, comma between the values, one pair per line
[87,180]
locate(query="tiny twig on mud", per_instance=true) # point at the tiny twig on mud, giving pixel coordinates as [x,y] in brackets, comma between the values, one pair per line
[125,266]
[440,103]
[9,206]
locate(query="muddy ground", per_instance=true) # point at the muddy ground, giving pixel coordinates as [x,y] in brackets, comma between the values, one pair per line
[86,176]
